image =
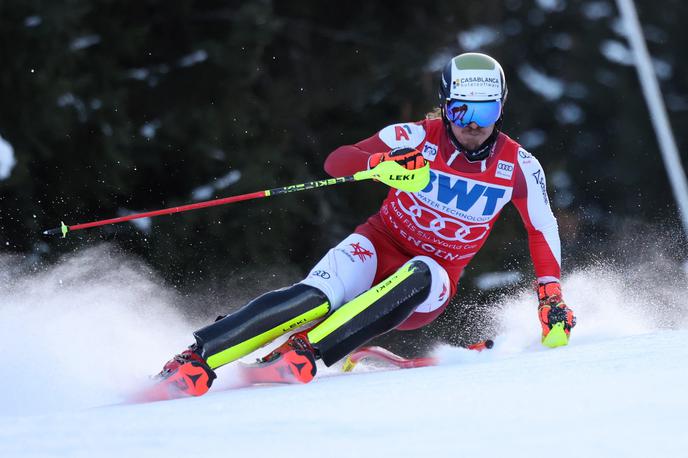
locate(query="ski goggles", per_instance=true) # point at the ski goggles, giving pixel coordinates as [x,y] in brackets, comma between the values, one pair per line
[463,112]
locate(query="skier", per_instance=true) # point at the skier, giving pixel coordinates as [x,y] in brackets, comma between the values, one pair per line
[400,268]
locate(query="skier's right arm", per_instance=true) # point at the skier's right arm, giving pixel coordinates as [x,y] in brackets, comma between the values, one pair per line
[349,159]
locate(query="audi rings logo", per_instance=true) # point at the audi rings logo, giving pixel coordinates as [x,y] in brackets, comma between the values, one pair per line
[504,170]
[322,274]
[446,228]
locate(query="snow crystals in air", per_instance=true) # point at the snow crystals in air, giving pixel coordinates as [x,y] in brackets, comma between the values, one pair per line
[492,280]
[78,331]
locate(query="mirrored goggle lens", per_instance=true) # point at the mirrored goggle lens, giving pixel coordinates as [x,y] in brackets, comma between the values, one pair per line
[462,113]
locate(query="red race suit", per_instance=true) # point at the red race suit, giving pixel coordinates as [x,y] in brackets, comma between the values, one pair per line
[452,217]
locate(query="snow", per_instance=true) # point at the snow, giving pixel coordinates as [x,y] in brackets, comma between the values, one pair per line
[138,73]
[597,10]
[142,224]
[570,113]
[32,21]
[478,37]
[617,52]
[562,41]
[551,6]
[7,160]
[532,138]
[80,341]
[68,99]
[207,191]
[492,280]
[194,58]
[149,129]
[620,53]
[615,398]
[84,42]
[549,87]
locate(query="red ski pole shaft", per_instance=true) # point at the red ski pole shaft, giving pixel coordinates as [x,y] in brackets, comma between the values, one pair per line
[388,172]
[63,229]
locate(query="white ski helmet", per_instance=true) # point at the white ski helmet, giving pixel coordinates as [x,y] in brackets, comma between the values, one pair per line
[473,89]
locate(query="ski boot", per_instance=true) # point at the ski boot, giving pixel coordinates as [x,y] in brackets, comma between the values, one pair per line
[291,362]
[187,374]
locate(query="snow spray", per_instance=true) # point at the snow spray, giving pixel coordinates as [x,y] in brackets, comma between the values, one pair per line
[83,332]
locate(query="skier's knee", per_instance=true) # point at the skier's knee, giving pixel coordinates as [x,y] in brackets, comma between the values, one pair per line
[345,271]
[438,297]
[440,288]
[378,310]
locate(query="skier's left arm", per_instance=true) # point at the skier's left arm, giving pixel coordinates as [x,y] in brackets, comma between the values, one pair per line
[531,200]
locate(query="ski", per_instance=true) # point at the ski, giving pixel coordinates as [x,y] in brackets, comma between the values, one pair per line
[284,369]
[386,356]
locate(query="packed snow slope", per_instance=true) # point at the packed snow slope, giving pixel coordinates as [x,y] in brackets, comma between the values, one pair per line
[78,338]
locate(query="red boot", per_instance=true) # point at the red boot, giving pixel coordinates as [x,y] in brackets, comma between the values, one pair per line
[186,373]
[291,362]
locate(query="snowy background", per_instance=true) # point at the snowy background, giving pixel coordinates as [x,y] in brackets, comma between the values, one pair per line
[81,336]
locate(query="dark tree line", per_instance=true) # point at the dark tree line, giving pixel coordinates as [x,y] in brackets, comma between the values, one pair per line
[114,106]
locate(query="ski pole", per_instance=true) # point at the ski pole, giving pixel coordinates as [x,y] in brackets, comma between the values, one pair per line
[388,172]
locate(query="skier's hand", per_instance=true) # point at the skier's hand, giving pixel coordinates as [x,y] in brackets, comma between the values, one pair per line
[553,312]
[408,158]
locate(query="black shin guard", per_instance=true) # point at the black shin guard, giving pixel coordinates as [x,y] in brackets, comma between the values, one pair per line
[259,322]
[380,309]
